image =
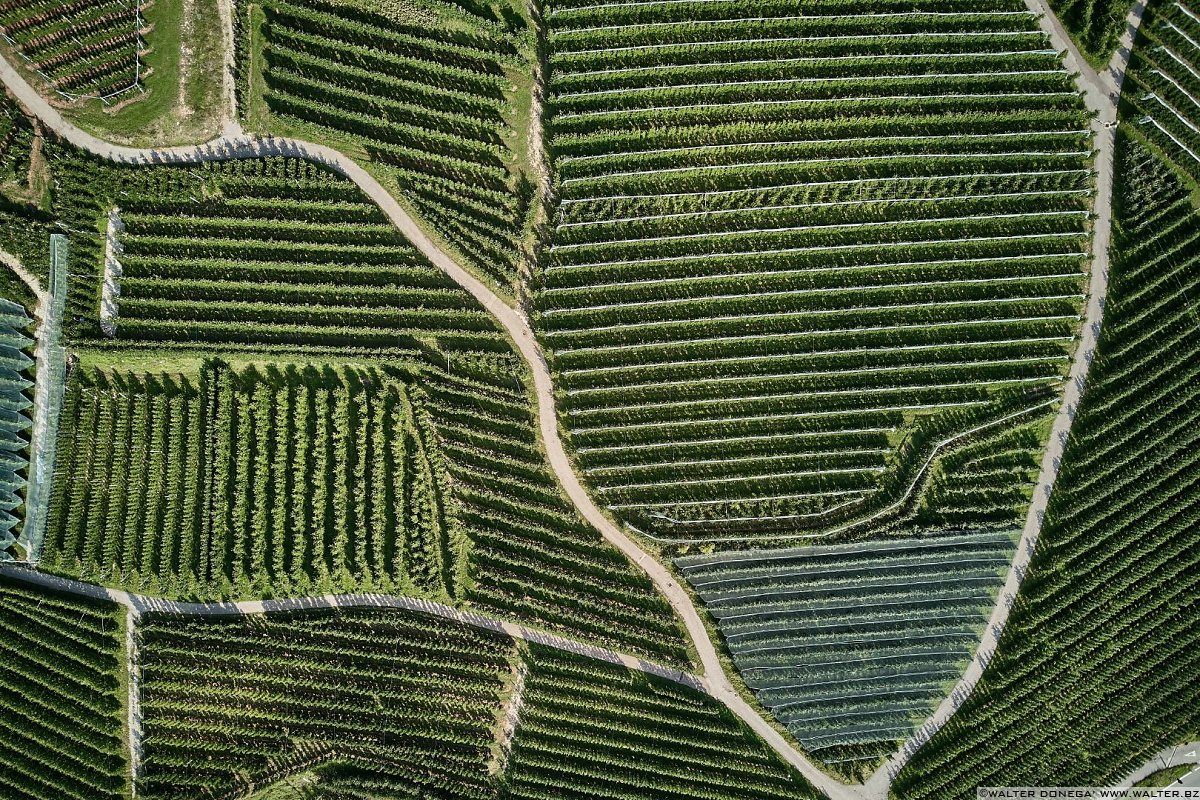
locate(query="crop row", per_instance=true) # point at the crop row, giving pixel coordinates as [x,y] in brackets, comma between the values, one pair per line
[91,49]
[519,550]
[1099,655]
[521,531]
[206,269]
[428,101]
[986,480]
[851,644]
[15,417]
[802,220]
[233,705]
[1164,75]
[588,727]
[62,710]
[1096,25]
[243,482]
[16,142]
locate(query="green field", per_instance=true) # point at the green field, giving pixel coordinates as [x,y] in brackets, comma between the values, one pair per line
[62,684]
[1164,87]
[89,50]
[590,730]
[798,286]
[285,266]
[1108,615]
[286,480]
[1095,25]
[795,247]
[135,71]
[1095,672]
[436,102]
[360,703]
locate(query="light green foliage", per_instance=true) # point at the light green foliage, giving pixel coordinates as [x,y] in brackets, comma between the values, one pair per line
[797,244]
[90,50]
[274,481]
[430,100]
[278,260]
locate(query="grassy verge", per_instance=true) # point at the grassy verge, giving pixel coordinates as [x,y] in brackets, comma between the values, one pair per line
[181,102]
[1165,777]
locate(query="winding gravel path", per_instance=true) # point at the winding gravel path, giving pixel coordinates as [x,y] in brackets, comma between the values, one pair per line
[138,604]
[1101,92]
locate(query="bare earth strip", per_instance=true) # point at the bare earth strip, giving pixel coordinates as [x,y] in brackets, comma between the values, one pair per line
[1101,93]
[133,705]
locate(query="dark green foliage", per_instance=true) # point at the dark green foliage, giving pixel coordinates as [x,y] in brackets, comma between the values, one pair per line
[16,143]
[273,251]
[428,100]
[87,49]
[986,480]
[383,704]
[1096,25]
[592,730]
[61,711]
[1097,667]
[280,481]
[796,245]
[324,277]
[1161,94]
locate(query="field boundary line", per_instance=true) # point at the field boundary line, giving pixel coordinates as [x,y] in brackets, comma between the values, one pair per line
[224,148]
[136,605]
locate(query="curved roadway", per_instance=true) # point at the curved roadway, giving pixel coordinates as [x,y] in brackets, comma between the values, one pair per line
[1101,93]
[138,604]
